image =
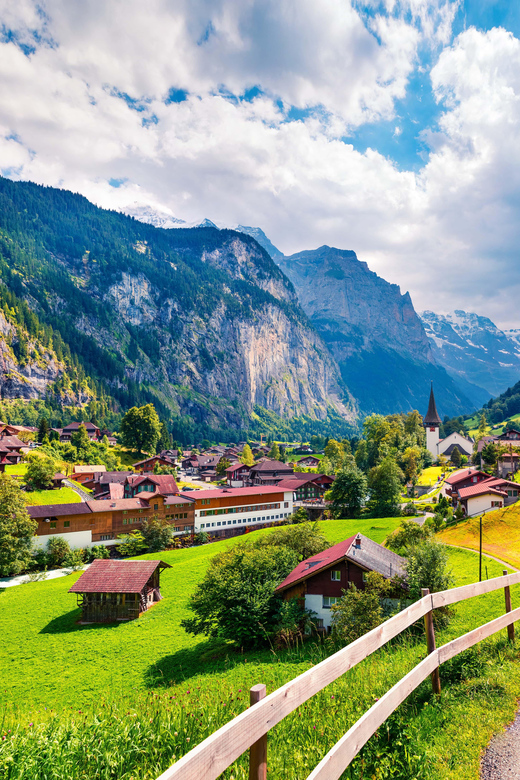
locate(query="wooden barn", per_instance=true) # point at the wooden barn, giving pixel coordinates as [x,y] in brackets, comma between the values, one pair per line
[118,590]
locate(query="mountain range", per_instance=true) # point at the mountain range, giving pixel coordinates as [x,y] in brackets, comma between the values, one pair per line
[215,325]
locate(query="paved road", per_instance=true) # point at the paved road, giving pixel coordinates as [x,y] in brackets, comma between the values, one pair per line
[9,582]
[81,493]
[502,758]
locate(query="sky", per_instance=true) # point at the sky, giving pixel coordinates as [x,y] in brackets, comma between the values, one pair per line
[390,127]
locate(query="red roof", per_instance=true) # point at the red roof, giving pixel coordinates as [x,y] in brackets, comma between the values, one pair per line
[465,474]
[116,576]
[479,490]
[293,483]
[237,492]
[271,465]
[107,505]
[317,562]
[237,466]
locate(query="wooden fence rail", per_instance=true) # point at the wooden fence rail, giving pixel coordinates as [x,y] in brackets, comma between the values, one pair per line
[209,759]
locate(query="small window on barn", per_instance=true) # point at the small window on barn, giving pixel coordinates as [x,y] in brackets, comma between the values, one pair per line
[66,523]
[156,506]
[125,521]
[53,524]
[335,575]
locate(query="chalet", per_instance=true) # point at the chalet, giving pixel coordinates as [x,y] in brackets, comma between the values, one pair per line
[150,483]
[69,430]
[148,465]
[100,522]
[508,463]
[320,580]
[478,499]
[227,511]
[83,474]
[462,479]
[309,462]
[269,472]
[118,590]
[511,434]
[324,480]
[103,479]
[304,487]
[237,475]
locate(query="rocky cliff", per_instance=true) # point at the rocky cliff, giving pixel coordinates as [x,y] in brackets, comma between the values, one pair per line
[373,332]
[29,376]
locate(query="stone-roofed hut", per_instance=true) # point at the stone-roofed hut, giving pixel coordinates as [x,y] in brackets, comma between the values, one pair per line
[118,590]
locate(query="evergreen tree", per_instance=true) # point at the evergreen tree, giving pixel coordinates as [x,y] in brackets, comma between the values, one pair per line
[456,456]
[43,430]
[16,528]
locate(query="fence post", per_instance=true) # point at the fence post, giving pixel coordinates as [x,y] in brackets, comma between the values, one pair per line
[507,594]
[430,641]
[258,750]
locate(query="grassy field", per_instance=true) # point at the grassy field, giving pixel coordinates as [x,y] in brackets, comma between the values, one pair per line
[430,475]
[16,469]
[500,534]
[124,700]
[60,496]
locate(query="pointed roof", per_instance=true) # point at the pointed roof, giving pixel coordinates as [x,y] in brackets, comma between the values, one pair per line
[432,415]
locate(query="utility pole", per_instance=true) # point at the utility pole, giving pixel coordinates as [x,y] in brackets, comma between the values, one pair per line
[480,552]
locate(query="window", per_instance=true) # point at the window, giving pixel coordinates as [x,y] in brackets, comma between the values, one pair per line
[364,575]
[286,504]
[187,528]
[328,601]
[496,503]
[219,523]
[53,524]
[105,537]
[66,523]
[156,506]
[335,575]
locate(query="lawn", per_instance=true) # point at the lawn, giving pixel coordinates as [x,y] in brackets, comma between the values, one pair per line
[16,469]
[60,496]
[500,534]
[430,475]
[134,695]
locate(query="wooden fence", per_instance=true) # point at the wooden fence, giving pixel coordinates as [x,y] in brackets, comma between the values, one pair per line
[249,729]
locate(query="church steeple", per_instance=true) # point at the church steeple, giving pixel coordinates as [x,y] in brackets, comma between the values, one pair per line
[432,418]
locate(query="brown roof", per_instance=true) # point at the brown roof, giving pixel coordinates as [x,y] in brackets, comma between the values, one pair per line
[57,510]
[271,465]
[432,415]
[116,576]
[116,504]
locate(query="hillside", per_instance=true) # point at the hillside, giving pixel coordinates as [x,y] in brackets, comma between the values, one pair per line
[201,321]
[500,534]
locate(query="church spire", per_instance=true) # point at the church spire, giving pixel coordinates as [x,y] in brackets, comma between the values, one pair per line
[432,416]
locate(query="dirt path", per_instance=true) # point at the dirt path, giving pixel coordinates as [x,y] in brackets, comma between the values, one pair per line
[484,555]
[501,760]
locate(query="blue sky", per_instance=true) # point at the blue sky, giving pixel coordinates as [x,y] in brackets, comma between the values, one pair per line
[390,127]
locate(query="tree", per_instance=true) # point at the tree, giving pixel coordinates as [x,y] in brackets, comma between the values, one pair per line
[299,516]
[427,567]
[140,428]
[348,493]
[247,456]
[236,600]
[407,536]
[157,534]
[222,465]
[274,452]
[456,456]
[43,430]
[81,442]
[164,442]
[335,453]
[131,544]
[359,611]
[305,539]
[16,529]
[58,549]
[490,453]
[40,471]
[483,426]
[384,486]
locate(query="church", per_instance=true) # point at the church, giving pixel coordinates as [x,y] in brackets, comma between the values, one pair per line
[434,443]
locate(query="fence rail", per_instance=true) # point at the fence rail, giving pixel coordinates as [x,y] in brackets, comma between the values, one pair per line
[249,729]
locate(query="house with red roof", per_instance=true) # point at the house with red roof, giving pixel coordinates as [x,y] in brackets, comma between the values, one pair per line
[118,590]
[462,479]
[320,581]
[237,475]
[304,487]
[479,499]
[270,472]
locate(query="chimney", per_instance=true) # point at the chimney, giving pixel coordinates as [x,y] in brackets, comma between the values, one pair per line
[358,541]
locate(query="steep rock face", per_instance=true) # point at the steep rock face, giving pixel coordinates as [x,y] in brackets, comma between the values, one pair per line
[24,381]
[473,349]
[373,332]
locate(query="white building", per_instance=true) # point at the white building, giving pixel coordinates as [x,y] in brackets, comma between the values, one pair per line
[230,508]
[437,446]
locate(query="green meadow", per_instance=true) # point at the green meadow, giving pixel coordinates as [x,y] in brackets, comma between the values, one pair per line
[125,700]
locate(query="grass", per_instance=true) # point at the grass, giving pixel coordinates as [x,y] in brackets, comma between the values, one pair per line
[500,534]
[125,700]
[430,475]
[16,469]
[60,496]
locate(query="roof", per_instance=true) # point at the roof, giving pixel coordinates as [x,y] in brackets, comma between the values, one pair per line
[369,555]
[118,504]
[112,476]
[432,415]
[165,482]
[464,474]
[496,482]
[57,510]
[479,490]
[74,426]
[293,483]
[174,500]
[96,467]
[271,465]
[237,492]
[236,467]
[106,576]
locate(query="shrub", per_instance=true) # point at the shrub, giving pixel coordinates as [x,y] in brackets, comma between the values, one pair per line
[57,549]
[359,611]
[131,544]
[427,567]
[410,509]
[74,560]
[201,538]
[99,551]
[407,536]
[157,534]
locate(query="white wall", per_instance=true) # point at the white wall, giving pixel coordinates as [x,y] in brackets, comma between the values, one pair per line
[75,539]
[465,446]
[479,504]
[315,603]
[432,440]
[242,519]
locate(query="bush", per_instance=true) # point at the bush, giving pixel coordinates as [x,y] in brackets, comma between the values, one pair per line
[157,534]
[236,600]
[131,544]
[427,567]
[359,611]
[407,536]
[74,560]
[305,539]
[57,550]
[201,538]
[410,509]
[300,516]
[40,471]
[100,551]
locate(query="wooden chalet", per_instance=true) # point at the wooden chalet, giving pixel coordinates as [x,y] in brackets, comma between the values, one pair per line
[93,432]
[147,466]
[270,472]
[118,590]
[83,474]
